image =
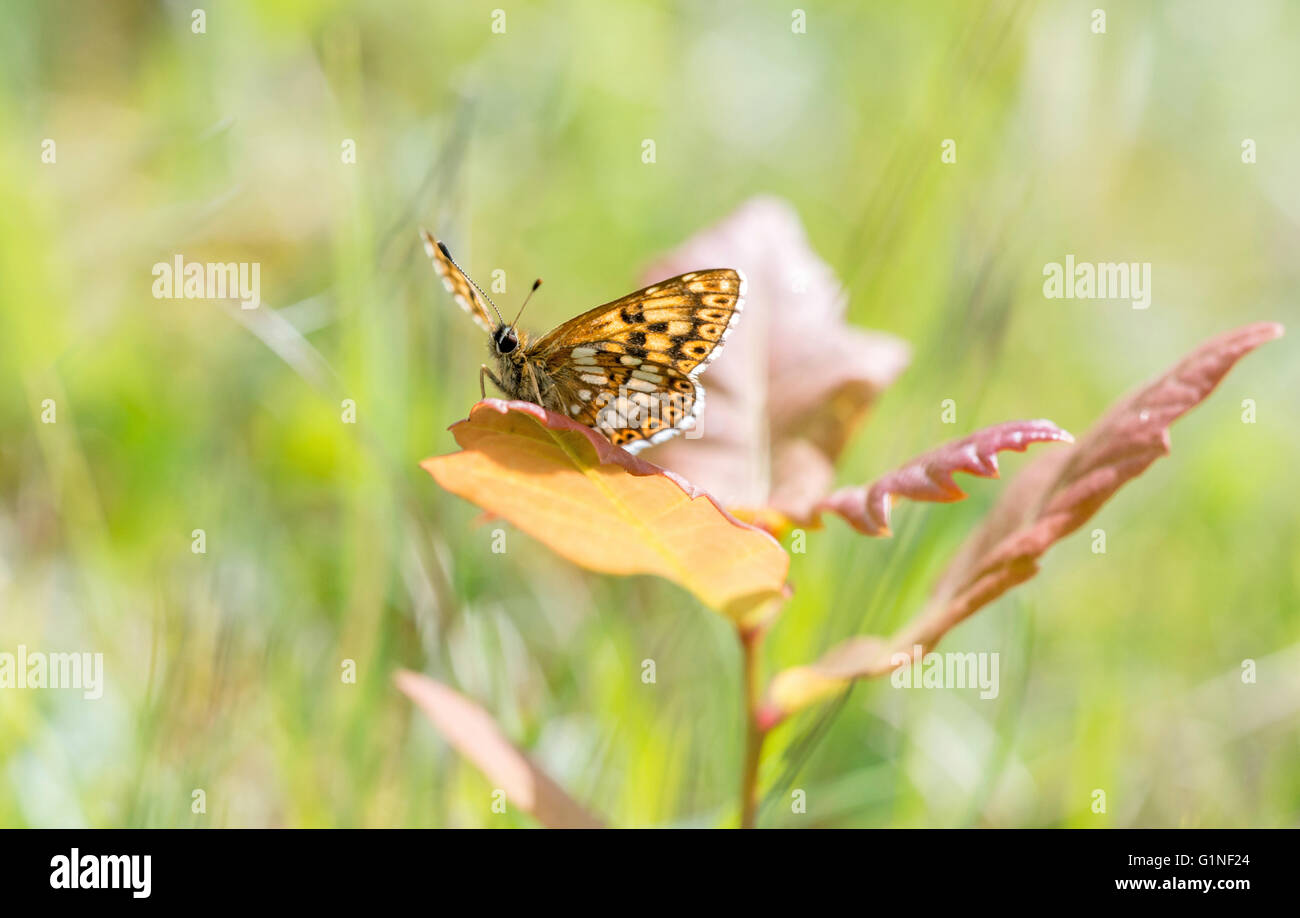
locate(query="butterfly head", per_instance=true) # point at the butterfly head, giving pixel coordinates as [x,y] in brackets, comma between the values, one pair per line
[505,339]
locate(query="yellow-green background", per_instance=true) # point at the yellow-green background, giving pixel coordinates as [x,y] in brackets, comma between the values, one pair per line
[325,541]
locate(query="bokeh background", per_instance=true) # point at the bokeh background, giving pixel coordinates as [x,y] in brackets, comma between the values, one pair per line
[326,542]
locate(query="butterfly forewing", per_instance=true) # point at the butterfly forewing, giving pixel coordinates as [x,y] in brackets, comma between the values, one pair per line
[460,286]
[629,368]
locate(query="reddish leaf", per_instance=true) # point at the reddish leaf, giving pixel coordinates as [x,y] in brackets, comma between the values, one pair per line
[475,735]
[1050,498]
[605,509]
[928,477]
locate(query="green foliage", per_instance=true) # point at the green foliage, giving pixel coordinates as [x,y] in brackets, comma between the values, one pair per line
[326,542]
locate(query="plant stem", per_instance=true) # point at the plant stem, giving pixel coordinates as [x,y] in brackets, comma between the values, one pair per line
[750,643]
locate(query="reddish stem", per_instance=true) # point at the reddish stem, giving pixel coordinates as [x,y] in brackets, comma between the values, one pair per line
[751,641]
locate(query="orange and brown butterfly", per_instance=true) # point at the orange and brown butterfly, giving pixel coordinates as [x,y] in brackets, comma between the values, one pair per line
[628,369]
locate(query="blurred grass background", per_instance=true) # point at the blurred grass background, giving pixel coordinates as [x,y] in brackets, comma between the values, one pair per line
[325,542]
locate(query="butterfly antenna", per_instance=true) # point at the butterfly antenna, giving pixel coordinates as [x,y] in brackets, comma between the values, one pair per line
[537,283]
[443,249]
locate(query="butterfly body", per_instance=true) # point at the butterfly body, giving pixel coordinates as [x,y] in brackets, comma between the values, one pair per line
[628,368]
[519,373]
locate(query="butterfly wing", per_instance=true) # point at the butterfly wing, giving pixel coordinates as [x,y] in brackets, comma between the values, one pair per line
[629,368]
[457,283]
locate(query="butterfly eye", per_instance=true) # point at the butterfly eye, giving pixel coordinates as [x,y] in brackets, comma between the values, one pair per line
[507,340]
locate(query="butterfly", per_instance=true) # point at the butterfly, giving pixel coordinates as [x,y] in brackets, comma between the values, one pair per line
[629,369]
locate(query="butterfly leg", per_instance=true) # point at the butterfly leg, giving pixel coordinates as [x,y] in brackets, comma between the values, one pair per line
[484,371]
[532,377]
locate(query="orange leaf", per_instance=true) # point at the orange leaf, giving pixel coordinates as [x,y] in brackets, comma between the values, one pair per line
[605,509]
[475,735]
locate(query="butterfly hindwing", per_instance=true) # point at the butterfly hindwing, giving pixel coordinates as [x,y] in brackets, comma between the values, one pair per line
[457,283]
[633,406]
[628,368]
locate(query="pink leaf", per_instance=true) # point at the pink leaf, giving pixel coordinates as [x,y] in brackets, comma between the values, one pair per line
[1057,493]
[928,477]
[795,379]
[475,735]
[1053,496]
